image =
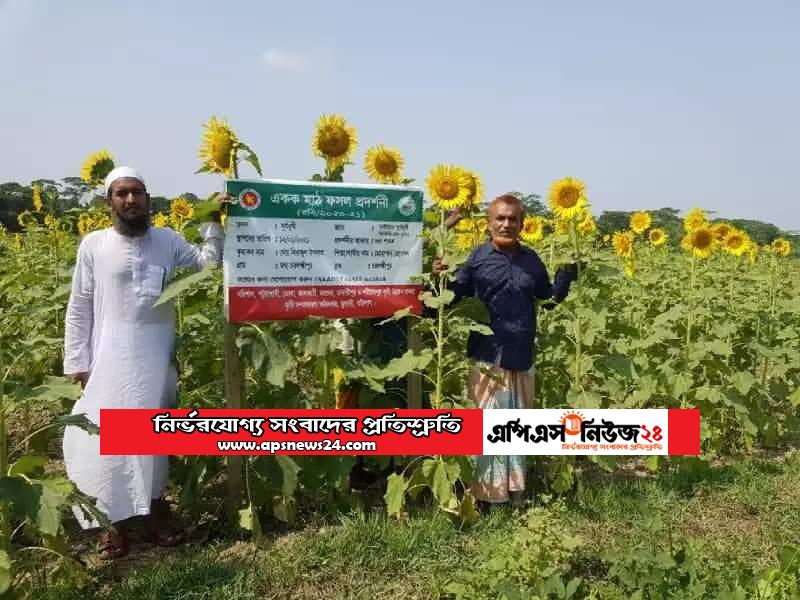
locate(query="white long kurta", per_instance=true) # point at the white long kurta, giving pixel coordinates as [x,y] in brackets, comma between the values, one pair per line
[114,333]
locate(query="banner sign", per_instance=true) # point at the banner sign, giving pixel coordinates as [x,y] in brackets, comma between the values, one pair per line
[295,249]
[400,432]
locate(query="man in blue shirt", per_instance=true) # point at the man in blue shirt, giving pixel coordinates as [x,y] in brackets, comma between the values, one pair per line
[508,278]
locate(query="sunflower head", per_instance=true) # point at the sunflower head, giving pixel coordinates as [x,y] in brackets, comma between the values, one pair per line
[448,186]
[640,221]
[721,231]
[475,187]
[587,225]
[160,220]
[532,229]
[561,226]
[181,210]
[384,164]
[27,219]
[85,223]
[567,198]
[781,247]
[695,218]
[700,242]
[96,167]
[218,148]
[334,140]
[735,242]
[37,197]
[657,236]
[623,243]
[465,240]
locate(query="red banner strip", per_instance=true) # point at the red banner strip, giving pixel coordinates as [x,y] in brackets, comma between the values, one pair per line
[684,431]
[333,301]
[201,431]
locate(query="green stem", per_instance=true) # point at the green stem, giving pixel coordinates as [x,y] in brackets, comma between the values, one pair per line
[690,318]
[437,398]
[578,324]
[5,513]
[772,294]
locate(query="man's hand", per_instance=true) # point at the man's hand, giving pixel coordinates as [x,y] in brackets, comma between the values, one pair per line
[80,378]
[438,266]
[223,198]
[455,216]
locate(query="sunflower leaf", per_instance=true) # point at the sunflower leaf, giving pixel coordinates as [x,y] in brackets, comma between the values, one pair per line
[251,157]
[181,285]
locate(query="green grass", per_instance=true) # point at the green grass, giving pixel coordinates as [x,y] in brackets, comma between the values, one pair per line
[742,512]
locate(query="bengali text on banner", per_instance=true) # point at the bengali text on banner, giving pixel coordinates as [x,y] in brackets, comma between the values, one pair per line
[400,432]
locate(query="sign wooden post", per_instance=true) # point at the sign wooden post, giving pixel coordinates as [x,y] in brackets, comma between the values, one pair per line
[234,390]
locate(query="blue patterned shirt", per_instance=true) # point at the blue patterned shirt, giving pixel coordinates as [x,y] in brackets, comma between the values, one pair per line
[508,285]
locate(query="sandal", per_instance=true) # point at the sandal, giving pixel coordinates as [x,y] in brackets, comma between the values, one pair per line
[157,526]
[113,544]
[166,538]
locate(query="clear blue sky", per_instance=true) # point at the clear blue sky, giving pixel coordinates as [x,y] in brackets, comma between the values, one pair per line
[652,103]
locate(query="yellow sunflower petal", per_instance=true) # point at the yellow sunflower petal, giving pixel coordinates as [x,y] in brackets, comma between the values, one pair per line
[695,218]
[448,186]
[623,243]
[532,229]
[384,164]
[218,148]
[640,221]
[567,198]
[334,140]
[96,167]
[657,236]
[700,242]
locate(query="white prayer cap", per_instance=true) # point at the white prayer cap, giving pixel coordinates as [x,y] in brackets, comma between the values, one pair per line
[119,173]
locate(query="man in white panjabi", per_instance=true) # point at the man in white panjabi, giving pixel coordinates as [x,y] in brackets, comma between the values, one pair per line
[118,346]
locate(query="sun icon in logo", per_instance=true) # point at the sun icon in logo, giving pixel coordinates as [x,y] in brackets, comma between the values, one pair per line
[572,422]
[249,199]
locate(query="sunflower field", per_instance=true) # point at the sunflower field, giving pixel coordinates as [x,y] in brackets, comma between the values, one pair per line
[710,320]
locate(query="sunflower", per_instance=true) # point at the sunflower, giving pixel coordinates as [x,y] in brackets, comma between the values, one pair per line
[51,222]
[384,164]
[736,242]
[606,238]
[475,187]
[587,226]
[640,222]
[695,218]
[37,197]
[218,148]
[630,268]
[181,209]
[334,141]
[85,223]
[26,219]
[96,167]
[721,230]
[567,198]
[532,229]
[448,186]
[658,236]
[782,247]
[562,227]
[465,240]
[623,243]
[482,226]
[102,221]
[752,252]
[160,220]
[700,242]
